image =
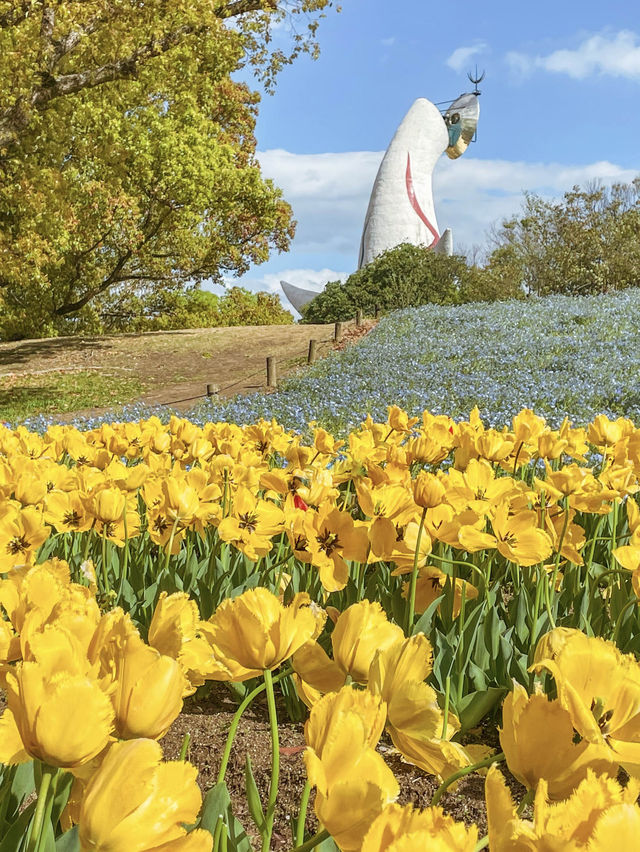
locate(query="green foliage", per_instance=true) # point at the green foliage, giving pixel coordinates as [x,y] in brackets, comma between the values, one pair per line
[192,309]
[588,242]
[405,276]
[127,151]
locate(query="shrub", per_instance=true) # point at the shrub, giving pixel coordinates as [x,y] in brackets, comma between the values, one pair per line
[405,276]
[122,312]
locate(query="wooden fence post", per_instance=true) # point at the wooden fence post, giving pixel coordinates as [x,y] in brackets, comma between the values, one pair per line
[313,345]
[377,311]
[337,334]
[272,381]
[212,390]
[359,317]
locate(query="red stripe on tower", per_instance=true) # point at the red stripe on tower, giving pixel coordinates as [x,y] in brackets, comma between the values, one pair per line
[416,204]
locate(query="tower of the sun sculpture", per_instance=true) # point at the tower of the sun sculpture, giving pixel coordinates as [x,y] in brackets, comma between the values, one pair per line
[401,208]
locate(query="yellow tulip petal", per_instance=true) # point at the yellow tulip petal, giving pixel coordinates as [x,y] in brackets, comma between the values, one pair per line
[11,747]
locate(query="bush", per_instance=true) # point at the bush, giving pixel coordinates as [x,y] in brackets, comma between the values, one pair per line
[403,277]
[124,311]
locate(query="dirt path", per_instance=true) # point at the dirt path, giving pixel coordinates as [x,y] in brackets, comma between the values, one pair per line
[176,366]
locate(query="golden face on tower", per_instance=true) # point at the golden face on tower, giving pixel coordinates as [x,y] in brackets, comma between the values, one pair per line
[462,120]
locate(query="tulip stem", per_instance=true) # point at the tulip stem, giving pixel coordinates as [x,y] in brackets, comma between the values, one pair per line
[414,578]
[551,590]
[466,770]
[447,698]
[314,841]
[38,818]
[302,816]
[170,545]
[105,572]
[125,562]
[526,800]
[275,762]
[236,721]
[481,844]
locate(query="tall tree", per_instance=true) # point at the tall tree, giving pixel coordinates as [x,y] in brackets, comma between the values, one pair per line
[586,242]
[127,150]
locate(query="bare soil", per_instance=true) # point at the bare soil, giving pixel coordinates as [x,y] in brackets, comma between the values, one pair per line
[175,367]
[208,721]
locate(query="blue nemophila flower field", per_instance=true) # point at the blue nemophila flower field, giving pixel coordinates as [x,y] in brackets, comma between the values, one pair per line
[561,356]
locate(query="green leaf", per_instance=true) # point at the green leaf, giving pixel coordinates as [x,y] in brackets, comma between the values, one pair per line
[63,791]
[253,797]
[476,705]
[423,624]
[13,839]
[328,845]
[217,803]
[22,785]
[69,841]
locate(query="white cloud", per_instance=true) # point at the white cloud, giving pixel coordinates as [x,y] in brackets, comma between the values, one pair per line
[459,59]
[329,194]
[616,55]
[388,42]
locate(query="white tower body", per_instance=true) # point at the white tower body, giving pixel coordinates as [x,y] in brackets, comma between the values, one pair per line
[401,207]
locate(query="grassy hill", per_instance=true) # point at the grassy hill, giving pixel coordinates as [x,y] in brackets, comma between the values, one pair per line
[561,356]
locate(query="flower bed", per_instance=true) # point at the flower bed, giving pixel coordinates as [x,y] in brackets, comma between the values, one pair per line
[418,580]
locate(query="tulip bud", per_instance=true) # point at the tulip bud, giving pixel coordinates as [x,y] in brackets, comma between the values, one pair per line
[428,490]
[108,505]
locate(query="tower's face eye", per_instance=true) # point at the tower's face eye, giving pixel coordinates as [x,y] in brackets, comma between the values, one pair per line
[461,120]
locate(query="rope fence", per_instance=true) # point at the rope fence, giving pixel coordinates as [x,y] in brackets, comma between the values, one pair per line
[271,364]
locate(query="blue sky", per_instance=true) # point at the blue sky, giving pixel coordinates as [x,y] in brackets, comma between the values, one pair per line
[559,107]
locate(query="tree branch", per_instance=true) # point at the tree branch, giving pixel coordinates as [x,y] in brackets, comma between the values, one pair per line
[16,119]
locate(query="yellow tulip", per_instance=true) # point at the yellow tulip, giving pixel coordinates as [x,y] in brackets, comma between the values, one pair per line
[405,661]
[414,718]
[600,816]
[355,716]
[431,583]
[252,524]
[399,420]
[148,687]
[108,505]
[361,631]
[353,801]
[254,632]
[333,537]
[325,443]
[600,688]
[180,500]
[59,712]
[428,490]
[175,631]
[537,739]
[22,531]
[401,829]
[352,780]
[136,803]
